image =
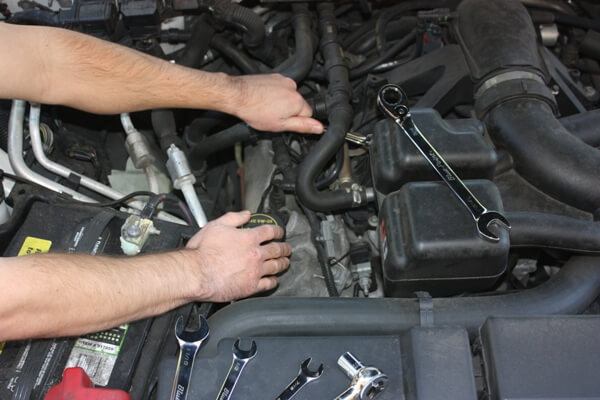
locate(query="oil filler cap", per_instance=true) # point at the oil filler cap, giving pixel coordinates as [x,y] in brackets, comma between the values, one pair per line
[258,219]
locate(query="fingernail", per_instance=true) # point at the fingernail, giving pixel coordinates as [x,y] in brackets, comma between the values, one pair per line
[247,212]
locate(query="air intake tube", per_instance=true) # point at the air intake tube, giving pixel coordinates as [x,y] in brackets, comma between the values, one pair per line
[340,116]
[500,45]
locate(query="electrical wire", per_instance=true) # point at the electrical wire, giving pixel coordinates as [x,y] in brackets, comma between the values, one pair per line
[114,203]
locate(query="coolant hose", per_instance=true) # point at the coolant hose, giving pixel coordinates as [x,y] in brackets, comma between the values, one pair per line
[533,229]
[237,133]
[340,118]
[298,66]
[570,291]
[500,44]
[234,14]
[546,154]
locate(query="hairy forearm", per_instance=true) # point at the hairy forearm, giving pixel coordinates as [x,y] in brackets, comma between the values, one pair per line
[56,66]
[62,295]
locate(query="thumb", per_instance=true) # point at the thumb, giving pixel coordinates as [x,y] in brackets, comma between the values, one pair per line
[234,219]
[302,125]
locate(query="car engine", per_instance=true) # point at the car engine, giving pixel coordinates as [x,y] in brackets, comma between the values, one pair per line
[444,227]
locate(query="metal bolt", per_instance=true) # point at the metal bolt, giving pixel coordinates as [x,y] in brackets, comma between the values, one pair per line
[134,231]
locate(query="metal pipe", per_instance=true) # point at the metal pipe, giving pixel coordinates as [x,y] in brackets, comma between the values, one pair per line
[60,170]
[15,154]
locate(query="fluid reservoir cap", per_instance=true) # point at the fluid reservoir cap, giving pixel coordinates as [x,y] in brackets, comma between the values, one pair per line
[258,219]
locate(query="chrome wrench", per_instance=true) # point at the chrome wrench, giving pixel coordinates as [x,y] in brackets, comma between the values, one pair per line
[240,359]
[189,344]
[305,376]
[392,101]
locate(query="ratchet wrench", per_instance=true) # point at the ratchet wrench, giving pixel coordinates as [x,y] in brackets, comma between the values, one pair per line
[240,359]
[392,101]
[189,344]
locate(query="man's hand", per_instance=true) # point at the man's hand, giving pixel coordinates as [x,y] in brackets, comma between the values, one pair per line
[272,103]
[231,263]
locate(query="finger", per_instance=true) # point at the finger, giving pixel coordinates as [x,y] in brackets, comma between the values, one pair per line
[234,219]
[277,266]
[275,250]
[302,125]
[306,110]
[268,283]
[264,233]
[290,83]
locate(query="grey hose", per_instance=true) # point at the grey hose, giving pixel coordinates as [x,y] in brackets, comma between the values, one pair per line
[571,291]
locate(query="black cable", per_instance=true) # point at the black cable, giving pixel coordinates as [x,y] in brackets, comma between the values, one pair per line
[122,201]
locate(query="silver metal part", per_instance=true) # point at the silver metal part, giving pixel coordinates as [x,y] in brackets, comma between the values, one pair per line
[240,359]
[358,138]
[391,100]
[549,34]
[337,244]
[506,76]
[189,344]
[184,180]
[15,154]
[367,382]
[305,376]
[60,170]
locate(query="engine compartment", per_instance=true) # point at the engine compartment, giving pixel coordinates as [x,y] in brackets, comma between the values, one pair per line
[383,252]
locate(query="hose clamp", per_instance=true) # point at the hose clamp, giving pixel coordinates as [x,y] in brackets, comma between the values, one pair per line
[507,76]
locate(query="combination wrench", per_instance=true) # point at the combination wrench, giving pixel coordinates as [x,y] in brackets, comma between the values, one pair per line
[392,101]
[240,359]
[304,377]
[189,344]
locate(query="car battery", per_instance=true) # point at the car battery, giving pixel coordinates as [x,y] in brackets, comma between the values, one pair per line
[29,368]
[395,160]
[430,243]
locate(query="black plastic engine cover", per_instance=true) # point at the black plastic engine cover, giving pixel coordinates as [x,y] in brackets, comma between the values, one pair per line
[542,358]
[429,241]
[396,161]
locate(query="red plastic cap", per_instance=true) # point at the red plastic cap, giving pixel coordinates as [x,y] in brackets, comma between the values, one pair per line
[77,385]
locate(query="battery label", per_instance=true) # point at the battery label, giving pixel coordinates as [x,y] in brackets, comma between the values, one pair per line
[97,353]
[33,245]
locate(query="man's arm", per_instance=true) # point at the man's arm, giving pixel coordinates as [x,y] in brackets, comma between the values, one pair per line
[54,295]
[57,66]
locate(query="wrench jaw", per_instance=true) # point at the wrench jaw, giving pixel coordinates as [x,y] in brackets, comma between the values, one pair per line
[195,337]
[392,101]
[241,354]
[486,219]
[310,374]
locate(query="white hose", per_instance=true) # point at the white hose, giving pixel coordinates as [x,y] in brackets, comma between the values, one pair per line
[191,198]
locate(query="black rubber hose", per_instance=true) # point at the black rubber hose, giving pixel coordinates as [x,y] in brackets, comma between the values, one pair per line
[232,53]
[234,14]
[571,291]
[298,66]
[36,17]
[517,111]
[197,45]
[531,229]
[546,154]
[585,126]
[4,117]
[163,124]
[219,141]
[340,116]
[366,67]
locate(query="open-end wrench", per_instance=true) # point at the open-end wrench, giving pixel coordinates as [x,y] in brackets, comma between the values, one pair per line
[189,344]
[240,359]
[304,377]
[392,101]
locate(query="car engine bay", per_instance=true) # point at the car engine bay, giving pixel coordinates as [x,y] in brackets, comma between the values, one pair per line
[393,258]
